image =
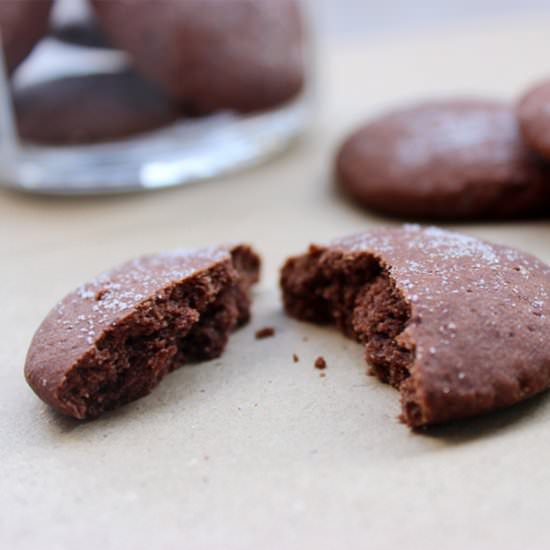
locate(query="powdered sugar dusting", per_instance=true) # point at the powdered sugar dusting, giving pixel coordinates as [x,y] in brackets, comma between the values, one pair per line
[430,242]
[450,278]
[446,245]
[112,295]
[442,129]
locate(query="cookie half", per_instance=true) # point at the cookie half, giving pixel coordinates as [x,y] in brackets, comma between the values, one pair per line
[91,109]
[245,55]
[533,113]
[460,326]
[453,159]
[22,24]
[112,340]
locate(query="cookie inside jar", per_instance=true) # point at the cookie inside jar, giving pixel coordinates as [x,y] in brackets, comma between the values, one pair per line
[167,93]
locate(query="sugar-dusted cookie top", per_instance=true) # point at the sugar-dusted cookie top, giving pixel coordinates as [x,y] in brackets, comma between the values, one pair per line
[445,159]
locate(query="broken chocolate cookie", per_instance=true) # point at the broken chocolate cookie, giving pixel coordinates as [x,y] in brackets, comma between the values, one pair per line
[112,340]
[458,325]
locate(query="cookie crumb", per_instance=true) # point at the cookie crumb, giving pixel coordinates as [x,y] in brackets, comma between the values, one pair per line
[322,374]
[266,332]
[295,358]
[320,363]
[100,294]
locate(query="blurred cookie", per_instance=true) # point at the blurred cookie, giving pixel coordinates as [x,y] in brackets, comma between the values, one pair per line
[22,24]
[534,118]
[454,159]
[245,55]
[460,326]
[91,108]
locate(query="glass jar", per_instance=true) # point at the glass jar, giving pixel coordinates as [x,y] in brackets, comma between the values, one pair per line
[176,150]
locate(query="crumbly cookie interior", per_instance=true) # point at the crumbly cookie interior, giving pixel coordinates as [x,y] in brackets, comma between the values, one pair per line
[356,293]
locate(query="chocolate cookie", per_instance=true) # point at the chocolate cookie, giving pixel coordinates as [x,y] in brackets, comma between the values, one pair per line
[112,340]
[245,55]
[91,108]
[459,325]
[22,24]
[456,159]
[533,113]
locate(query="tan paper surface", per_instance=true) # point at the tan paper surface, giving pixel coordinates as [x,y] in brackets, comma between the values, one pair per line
[252,450]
